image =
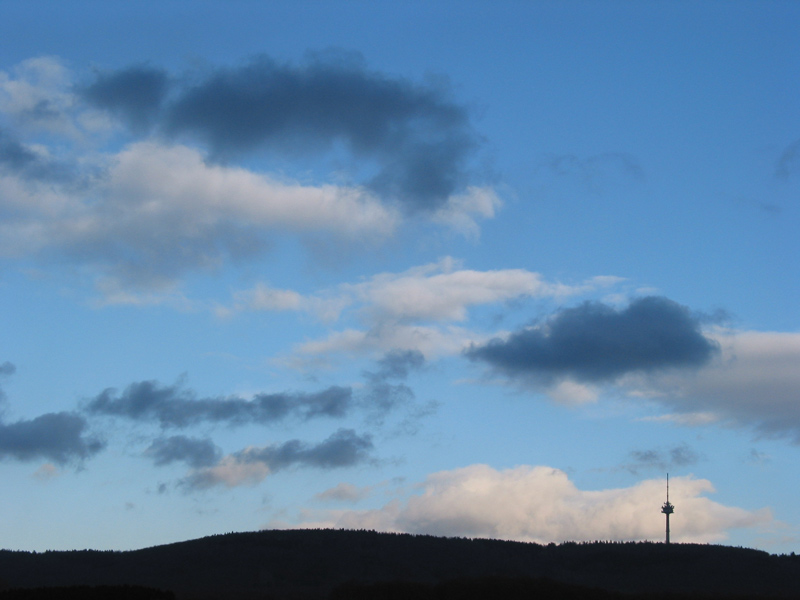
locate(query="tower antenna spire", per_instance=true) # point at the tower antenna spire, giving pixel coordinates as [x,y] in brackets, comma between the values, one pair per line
[667,508]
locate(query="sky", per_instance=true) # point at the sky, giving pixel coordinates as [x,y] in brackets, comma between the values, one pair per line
[454,268]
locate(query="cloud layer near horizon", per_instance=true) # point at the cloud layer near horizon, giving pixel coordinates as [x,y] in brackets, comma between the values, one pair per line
[541,504]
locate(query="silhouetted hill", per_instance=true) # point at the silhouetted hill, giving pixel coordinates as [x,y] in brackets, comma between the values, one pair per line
[365,564]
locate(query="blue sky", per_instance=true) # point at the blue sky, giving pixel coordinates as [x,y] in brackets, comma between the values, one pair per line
[465,269]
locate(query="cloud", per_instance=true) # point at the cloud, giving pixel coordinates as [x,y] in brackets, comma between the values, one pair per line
[789,161]
[17,157]
[173,406]
[344,448]
[143,217]
[430,341]
[196,453]
[753,382]
[595,343]
[597,166]
[6,369]
[57,437]
[690,419]
[397,365]
[540,504]
[36,96]
[158,211]
[443,292]
[410,142]
[418,137]
[380,395]
[460,211]
[134,94]
[344,492]
[409,310]
[663,460]
[434,292]
[46,472]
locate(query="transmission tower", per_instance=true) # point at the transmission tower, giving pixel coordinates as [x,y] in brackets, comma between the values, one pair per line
[668,508]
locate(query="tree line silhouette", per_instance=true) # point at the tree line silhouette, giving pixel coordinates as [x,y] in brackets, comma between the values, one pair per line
[338,564]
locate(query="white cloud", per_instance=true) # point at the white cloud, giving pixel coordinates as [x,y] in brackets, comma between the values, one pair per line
[572,392]
[432,342]
[263,297]
[155,182]
[461,210]
[440,292]
[540,504]
[690,419]
[37,95]
[159,211]
[413,309]
[437,292]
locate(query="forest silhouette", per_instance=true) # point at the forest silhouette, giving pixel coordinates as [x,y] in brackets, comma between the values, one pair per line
[366,565]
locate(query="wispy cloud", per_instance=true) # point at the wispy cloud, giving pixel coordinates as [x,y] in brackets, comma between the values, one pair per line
[437,292]
[196,453]
[788,163]
[662,459]
[175,406]
[597,172]
[345,448]
[343,492]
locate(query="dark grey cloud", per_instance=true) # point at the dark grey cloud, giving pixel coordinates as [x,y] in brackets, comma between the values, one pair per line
[411,141]
[194,452]
[58,437]
[7,368]
[342,449]
[682,456]
[13,154]
[660,459]
[134,94]
[594,342]
[397,364]
[20,160]
[345,448]
[385,390]
[173,406]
